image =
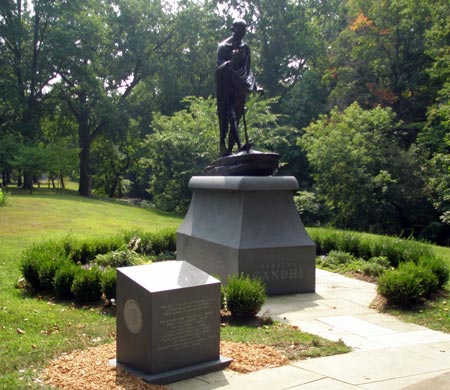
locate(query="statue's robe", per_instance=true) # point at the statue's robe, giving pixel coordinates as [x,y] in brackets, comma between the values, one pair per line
[234,81]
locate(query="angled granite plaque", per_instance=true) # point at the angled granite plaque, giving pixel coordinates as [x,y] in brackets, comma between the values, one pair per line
[168,321]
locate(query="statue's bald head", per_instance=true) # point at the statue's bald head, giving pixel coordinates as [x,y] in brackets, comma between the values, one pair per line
[239,23]
[239,28]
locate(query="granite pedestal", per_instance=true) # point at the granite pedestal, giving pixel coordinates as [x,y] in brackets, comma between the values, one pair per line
[247,224]
[168,321]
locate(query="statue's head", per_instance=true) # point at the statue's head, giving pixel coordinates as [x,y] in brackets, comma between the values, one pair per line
[239,28]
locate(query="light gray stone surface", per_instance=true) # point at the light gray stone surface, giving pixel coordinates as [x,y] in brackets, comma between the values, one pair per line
[168,321]
[416,359]
[248,225]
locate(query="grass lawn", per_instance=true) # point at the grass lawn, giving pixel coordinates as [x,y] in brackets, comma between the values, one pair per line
[35,330]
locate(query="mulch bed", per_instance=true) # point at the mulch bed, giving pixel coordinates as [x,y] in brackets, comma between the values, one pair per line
[90,368]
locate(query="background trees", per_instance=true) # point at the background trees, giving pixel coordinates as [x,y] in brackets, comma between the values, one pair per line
[98,90]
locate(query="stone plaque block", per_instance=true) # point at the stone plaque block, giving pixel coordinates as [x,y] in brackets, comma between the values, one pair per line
[168,321]
[246,224]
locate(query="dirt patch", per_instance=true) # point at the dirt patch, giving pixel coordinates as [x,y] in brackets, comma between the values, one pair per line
[90,368]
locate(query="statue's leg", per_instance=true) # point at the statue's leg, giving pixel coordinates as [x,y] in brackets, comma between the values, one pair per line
[223,148]
[233,137]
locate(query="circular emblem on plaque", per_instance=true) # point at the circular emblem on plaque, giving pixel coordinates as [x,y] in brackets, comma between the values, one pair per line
[133,316]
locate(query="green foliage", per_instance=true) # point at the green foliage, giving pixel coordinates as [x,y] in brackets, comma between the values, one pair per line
[63,280]
[29,268]
[395,250]
[121,258]
[380,260]
[152,243]
[108,282]
[373,269]
[244,296]
[39,264]
[85,251]
[183,144]
[47,270]
[408,284]
[359,170]
[379,58]
[3,197]
[339,257]
[439,268]
[67,266]
[86,286]
[311,210]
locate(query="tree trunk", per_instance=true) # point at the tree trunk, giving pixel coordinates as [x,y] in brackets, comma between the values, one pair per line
[61,180]
[27,181]
[85,186]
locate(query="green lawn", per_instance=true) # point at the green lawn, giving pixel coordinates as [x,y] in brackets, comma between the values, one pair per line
[34,330]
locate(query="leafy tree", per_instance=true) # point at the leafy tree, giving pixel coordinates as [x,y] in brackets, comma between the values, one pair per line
[432,138]
[107,49]
[189,57]
[187,142]
[26,29]
[440,186]
[380,59]
[8,149]
[363,175]
[181,146]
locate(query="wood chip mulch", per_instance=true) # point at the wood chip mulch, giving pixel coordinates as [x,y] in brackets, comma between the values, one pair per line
[251,357]
[90,368]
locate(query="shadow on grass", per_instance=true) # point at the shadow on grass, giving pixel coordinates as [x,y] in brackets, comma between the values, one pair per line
[251,322]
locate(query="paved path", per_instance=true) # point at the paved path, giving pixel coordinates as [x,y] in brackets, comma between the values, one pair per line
[388,354]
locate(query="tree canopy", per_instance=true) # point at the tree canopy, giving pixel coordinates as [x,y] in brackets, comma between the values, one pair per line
[119,96]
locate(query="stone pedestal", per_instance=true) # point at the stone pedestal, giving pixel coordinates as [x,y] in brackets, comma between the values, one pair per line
[247,224]
[168,321]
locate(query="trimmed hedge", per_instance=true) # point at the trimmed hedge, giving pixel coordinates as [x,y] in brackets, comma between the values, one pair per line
[366,246]
[63,280]
[84,269]
[109,278]
[86,285]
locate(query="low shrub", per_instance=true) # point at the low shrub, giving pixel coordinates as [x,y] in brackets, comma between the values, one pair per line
[121,258]
[152,243]
[325,240]
[85,251]
[406,285]
[108,282]
[86,286]
[47,270]
[63,279]
[439,268]
[29,268]
[396,250]
[348,242]
[244,296]
[380,260]
[372,269]
[339,257]
[39,264]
